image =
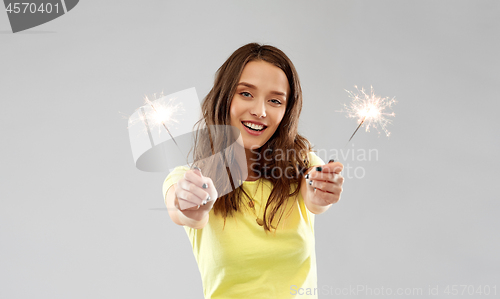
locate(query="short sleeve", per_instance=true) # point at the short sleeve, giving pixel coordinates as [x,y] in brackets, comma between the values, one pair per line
[173,178]
[315,160]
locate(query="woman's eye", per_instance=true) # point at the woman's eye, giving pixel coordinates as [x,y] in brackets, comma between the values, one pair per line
[246,94]
[276,101]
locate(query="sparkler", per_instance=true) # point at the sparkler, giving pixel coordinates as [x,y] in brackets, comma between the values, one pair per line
[162,112]
[161,115]
[369,108]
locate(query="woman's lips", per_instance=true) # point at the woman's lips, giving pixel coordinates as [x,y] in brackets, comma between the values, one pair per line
[252,132]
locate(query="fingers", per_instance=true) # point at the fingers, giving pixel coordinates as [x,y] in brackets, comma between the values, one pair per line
[328,197]
[185,205]
[335,167]
[326,180]
[334,178]
[191,190]
[195,177]
[326,186]
[328,173]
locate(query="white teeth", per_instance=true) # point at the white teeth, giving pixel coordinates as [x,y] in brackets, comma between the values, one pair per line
[254,126]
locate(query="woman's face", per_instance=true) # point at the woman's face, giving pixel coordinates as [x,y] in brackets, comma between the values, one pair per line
[259,103]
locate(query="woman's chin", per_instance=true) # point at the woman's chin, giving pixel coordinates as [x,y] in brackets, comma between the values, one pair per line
[252,147]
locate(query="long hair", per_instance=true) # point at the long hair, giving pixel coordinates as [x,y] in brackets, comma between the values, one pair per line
[216,111]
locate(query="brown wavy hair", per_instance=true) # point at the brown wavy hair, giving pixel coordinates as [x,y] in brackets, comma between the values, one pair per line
[216,111]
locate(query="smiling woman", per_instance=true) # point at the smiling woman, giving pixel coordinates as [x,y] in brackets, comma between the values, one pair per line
[257,91]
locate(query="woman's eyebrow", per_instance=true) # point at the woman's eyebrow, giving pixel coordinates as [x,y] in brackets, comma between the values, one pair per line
[247,85]
[279,93]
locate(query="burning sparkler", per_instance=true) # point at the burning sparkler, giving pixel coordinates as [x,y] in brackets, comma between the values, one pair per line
[161,115]
[164,113]
[156,122]
[369,109]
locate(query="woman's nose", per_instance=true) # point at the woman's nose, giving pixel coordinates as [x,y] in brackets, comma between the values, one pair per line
[258,109]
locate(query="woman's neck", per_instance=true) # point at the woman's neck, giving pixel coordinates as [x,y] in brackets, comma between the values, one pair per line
[251,156]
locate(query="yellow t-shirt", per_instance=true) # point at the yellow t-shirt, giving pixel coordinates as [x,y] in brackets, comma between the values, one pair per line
[242,261]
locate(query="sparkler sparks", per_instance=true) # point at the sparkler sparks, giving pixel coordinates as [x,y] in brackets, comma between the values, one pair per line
[162,112]
[157,114]
[160,130]
[369,109]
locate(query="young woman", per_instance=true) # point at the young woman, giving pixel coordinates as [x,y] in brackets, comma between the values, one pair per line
[256,241]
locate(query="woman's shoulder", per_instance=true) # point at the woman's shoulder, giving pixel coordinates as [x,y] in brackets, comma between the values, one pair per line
[314,159]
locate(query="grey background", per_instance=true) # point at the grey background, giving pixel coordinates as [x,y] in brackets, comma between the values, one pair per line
[78,220]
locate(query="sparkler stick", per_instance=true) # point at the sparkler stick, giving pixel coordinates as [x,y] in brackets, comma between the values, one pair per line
[357,129]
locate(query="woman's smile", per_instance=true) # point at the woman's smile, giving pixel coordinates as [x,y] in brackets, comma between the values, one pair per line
[254,128]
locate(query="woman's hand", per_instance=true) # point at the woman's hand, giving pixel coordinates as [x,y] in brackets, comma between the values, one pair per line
[324,184]
[195,194]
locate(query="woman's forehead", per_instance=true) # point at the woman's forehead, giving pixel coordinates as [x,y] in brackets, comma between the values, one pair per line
[264,75]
